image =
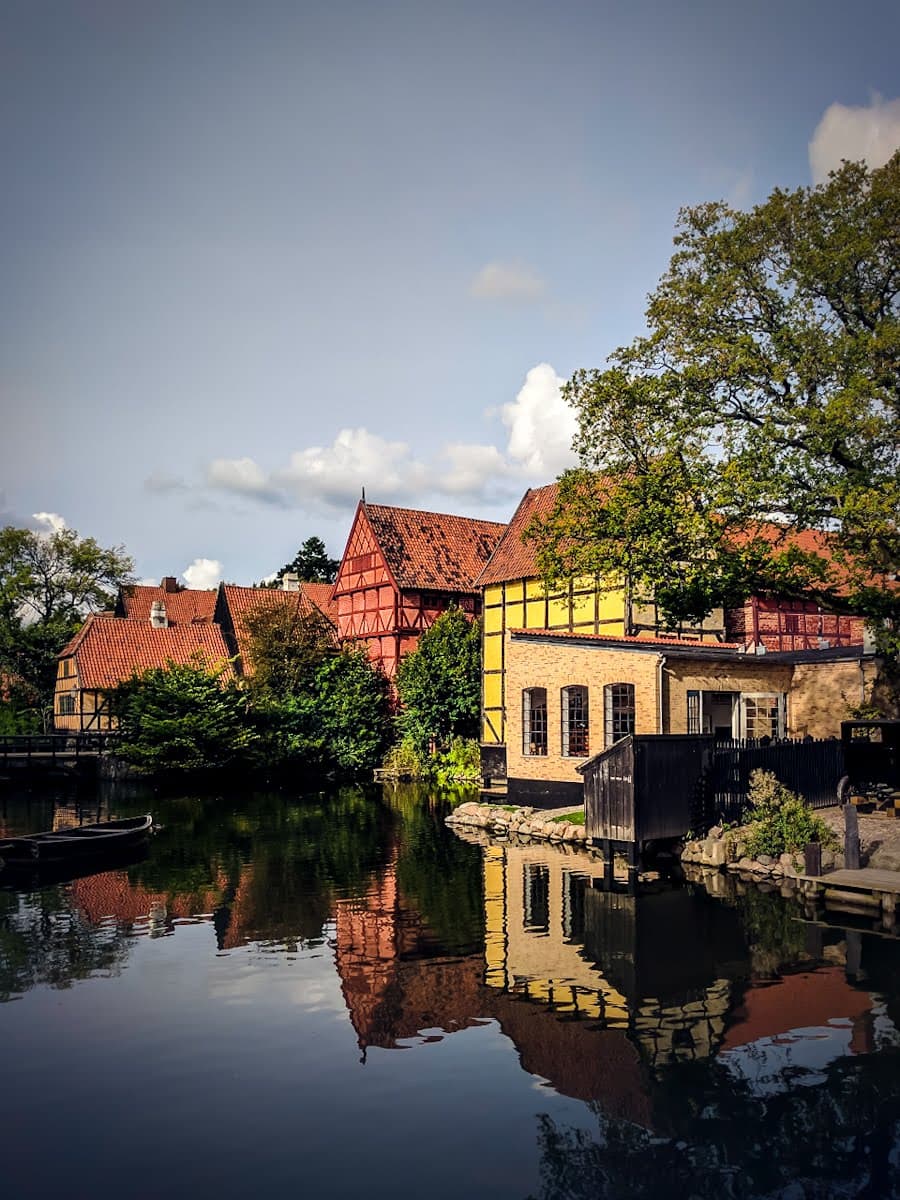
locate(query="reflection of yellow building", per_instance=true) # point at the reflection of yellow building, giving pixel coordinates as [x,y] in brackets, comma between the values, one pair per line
[555,936]
[533,908]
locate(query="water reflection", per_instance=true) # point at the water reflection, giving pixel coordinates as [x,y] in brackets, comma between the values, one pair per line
[721,1041]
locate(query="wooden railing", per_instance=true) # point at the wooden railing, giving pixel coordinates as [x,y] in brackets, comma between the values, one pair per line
[53,747]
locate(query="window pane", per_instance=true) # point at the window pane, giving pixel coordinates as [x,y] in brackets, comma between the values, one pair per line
[534,721]
[761,716]
[693,712]
[619,705]
[574,709]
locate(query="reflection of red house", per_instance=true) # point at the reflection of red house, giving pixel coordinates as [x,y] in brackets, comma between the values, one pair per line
[806,1000]
[401,569]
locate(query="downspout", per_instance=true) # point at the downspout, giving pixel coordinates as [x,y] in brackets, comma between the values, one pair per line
[660,664]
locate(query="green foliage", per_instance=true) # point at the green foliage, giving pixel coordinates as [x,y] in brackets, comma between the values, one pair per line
[311,563]
[439,684]
[766,390]
[460,762]
[48,583]
[286,648]
[353,710]
[403,761]
[182,718]
[782,822]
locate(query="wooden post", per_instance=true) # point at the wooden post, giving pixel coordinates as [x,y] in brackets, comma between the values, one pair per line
[851,838]
[812,855]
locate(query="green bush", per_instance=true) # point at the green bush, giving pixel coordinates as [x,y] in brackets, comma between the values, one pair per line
[781,822]
[404,761]
[460,762]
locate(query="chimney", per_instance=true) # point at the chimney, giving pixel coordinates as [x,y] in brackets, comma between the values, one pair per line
[158,618]
[169,583]
[290,583]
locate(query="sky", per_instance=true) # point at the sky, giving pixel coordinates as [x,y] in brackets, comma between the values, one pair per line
[257,257]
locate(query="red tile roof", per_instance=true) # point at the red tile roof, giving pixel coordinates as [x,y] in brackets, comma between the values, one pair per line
[109,650]
[182,606]
[513,557]
[241,602]
[437,551]
[611,639]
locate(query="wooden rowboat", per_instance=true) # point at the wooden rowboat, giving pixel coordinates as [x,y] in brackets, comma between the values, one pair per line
[77,842]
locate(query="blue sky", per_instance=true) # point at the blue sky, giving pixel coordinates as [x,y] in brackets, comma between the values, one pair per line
[257,256]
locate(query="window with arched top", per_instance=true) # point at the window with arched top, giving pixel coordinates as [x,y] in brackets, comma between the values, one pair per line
[574,721]
[618,711]
[534,721]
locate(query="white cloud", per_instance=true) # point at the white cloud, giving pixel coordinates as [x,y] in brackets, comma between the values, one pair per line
[870,132]
[541,425]
[202,573]
[471,468]
[337,473]
[507,281]
[244,476]
[48,522]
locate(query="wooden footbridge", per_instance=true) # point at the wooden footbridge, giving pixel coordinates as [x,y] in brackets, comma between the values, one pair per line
[40,752]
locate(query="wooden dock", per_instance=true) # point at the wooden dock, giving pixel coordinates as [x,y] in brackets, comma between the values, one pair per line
[863,891]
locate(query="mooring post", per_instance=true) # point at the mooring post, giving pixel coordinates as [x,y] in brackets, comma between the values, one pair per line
[812,856]
[851,838]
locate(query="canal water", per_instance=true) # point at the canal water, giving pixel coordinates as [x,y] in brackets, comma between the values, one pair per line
[332,995]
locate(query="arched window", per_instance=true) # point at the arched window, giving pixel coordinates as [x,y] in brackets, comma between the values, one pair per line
[534,721]
[574,714]
[618,704]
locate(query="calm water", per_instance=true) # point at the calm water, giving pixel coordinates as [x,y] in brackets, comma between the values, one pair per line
[334,996]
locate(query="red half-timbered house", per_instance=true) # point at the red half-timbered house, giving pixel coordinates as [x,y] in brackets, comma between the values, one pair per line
[401,569]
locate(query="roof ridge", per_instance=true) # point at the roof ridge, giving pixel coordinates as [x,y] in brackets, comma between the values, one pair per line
[427,512]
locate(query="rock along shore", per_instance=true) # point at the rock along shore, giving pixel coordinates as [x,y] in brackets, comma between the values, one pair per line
[506,820]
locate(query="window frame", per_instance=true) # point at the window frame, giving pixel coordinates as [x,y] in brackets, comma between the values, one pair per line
[574,733]
[614,712]
[534,733]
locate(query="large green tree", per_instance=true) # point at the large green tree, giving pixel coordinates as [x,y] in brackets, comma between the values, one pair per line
[311,563]
[763,401]
[48,584]
[439,683]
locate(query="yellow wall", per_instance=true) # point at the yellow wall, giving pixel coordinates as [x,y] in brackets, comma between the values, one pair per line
[90,714]
[582,604]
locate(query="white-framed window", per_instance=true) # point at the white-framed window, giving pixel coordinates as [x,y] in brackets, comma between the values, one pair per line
[618,711]
[574,721]
[763,715]
[534,721]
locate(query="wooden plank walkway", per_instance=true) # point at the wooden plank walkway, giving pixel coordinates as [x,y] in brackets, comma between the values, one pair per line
[866,879]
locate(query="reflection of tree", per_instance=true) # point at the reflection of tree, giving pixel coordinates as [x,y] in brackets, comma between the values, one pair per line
[837,1137]
[439,874]
[44,941]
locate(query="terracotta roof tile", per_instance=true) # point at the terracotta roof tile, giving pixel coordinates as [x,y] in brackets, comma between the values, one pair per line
[109,650]
[437,551]
[182,606]
[513,557]
[628,640]
[241,602]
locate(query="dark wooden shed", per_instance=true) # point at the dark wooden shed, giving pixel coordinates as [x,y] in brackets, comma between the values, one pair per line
[644,788]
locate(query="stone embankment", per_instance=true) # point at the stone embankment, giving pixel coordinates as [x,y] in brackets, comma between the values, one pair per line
[506,820]
[727,849]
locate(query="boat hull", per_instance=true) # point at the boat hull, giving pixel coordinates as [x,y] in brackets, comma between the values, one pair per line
[82,841]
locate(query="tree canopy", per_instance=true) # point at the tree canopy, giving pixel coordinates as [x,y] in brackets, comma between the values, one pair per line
[48,584]
[311,563]
[762,403]
[439,684]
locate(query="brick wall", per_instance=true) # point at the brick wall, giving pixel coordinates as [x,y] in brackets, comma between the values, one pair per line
[823,693]
[684,675]
[553,666]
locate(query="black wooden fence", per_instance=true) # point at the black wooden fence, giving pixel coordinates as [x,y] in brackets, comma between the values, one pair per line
[651,787]
[812,769]
[50,748]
